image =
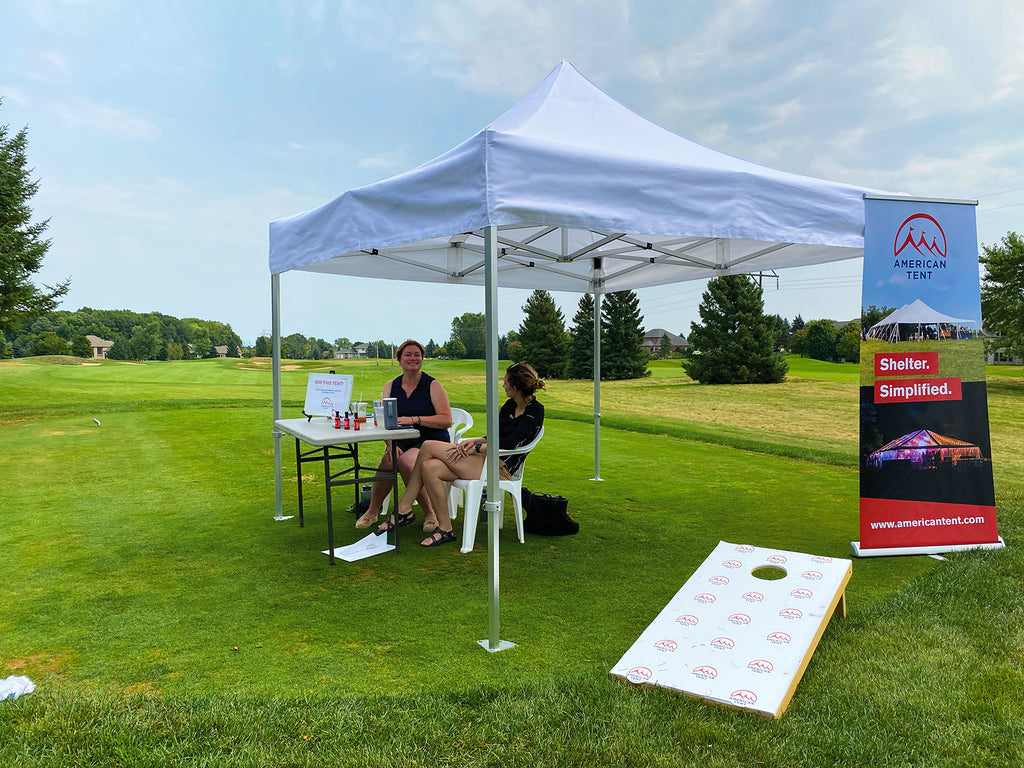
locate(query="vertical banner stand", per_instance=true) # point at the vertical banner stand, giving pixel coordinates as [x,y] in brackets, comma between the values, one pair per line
[926,483]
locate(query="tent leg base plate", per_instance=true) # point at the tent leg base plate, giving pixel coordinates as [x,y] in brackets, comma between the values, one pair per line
[503,645]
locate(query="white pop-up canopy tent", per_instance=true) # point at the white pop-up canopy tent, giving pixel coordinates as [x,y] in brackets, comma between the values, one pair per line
[569,190]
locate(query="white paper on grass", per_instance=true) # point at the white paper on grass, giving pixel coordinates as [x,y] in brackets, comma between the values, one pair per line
[368,546]
[327,393]
[732,638]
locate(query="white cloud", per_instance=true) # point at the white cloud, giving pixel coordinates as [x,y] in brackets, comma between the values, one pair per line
[83,113]
[9,92]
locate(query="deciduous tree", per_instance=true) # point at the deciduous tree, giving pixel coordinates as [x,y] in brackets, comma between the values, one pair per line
[820,341]
[468,328]
[1002,291]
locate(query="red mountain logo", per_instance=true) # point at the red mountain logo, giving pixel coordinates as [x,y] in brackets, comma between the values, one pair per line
[779,638]
[777,559]
[740,619]
[666,645]
[802,594]
[761,666]
[719,581]
[704,672]
[688,619]
[732,564]
[639,675]
[705,597]
[753,597]
[791,613]
[920,233]
[723,643]
[744,697]
[744,548]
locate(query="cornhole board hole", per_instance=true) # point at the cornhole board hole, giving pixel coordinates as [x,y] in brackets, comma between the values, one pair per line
[742,629]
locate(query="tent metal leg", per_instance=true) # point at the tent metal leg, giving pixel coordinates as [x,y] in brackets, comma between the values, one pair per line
[493,503]
[275,313]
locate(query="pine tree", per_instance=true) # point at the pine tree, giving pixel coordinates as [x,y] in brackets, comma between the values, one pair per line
[22,246]
[665,347]
[581,343]
[622,337]
[542,341]
[736,342]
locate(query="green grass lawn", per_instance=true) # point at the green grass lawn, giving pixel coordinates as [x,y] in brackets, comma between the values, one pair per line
[138,553]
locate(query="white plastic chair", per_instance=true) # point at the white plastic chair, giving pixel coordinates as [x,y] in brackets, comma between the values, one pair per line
[473,491]
[461,421]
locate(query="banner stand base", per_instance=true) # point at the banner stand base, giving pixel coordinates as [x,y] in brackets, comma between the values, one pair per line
[937,549]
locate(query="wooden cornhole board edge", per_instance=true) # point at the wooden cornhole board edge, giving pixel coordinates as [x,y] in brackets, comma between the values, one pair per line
[687,645]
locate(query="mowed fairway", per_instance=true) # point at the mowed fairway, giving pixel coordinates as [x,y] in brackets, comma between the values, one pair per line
[141,558]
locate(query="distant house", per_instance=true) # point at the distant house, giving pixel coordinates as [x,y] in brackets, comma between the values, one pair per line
[362,350]
[221,350]
[652,340]
[345,353]
[100,347]
[996,355]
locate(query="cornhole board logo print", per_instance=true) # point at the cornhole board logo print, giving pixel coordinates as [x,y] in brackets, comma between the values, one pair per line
[639,675]
[705,672]
[758,633]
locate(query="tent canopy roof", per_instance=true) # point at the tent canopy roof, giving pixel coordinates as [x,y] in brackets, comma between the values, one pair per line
[924,439]
[918,312]
[587,196]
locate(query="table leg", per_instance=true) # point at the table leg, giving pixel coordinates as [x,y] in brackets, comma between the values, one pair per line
[298,478]
[330,512]
[394,489]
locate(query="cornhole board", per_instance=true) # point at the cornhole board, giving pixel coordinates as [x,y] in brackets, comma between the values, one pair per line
[736,634]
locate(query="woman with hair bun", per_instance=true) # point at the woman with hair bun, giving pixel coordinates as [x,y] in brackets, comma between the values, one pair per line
[519,421]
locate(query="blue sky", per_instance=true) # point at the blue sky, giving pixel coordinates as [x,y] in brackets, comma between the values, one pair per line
[167,135]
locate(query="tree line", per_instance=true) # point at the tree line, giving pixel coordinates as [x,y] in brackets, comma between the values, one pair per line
[559,352]
[135,336]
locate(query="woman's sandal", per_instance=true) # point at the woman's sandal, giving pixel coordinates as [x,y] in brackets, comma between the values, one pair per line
[397,520]
[439,537]
[365,521]
[429,525]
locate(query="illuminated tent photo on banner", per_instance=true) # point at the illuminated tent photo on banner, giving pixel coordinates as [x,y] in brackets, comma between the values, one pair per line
[925,449]
[917,321]
[568,190]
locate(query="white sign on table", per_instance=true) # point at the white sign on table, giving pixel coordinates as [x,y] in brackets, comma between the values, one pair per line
[327,393]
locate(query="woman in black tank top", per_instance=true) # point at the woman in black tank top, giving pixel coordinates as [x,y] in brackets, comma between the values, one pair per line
[422,403]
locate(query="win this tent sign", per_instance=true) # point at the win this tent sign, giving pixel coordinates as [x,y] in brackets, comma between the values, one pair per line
[925,453]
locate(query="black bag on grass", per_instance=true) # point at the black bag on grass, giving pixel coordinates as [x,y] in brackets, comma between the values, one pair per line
[546,515]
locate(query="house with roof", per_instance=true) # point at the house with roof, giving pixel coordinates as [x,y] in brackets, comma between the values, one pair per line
[100,347]
[995,354]
[652,340]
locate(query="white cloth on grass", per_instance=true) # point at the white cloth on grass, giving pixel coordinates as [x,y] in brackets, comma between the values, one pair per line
[15,685]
